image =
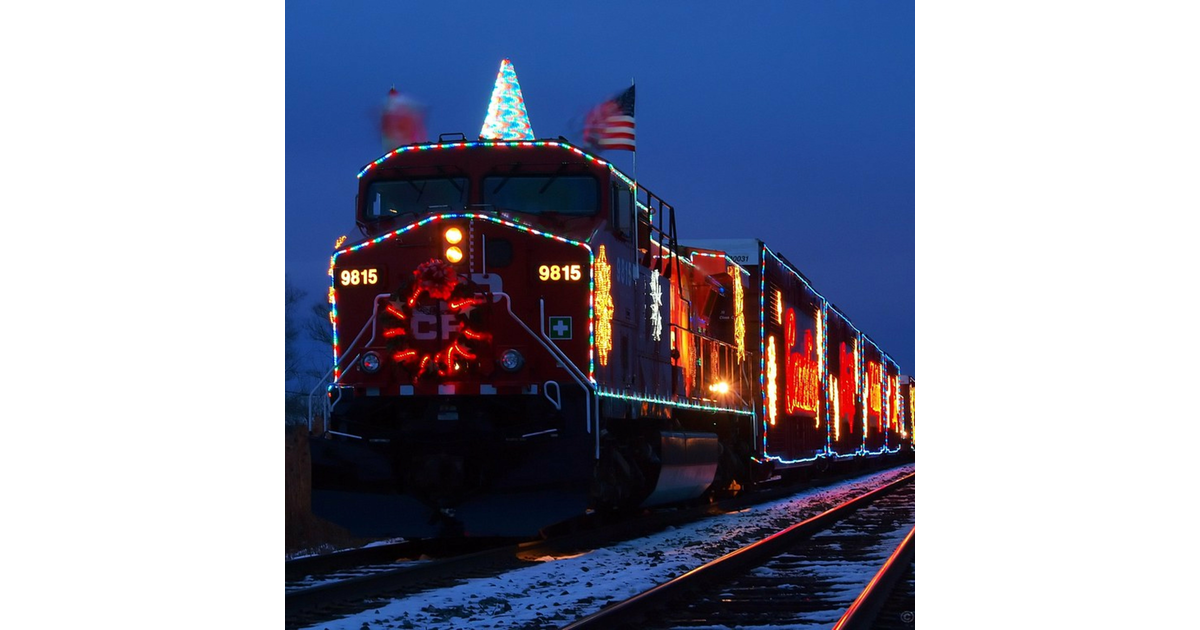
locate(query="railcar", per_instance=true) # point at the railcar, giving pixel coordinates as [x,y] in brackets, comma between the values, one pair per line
[520,337]
[825,390]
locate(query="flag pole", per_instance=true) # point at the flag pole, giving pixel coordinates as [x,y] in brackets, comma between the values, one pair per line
[632,83]
[636,274]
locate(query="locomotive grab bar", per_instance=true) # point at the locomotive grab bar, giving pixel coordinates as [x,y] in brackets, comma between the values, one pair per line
[557,400]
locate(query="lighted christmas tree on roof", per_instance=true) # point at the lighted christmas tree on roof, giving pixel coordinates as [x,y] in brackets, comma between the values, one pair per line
[506,117]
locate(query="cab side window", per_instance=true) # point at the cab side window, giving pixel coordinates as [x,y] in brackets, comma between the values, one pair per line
[622,209]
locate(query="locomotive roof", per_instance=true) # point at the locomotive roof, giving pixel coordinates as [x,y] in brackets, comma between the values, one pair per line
[746,251]
[743,250]
[467,144]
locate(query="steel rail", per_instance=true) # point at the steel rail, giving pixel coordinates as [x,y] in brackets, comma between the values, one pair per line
[628,612]
[348,559]
[861,615]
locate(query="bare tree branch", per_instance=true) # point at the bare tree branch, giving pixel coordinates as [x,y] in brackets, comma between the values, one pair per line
[318,326]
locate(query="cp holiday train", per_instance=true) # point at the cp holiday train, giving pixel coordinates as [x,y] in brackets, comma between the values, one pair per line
[521,338]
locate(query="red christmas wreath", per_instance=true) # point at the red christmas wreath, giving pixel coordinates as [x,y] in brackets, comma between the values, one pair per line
[435,281]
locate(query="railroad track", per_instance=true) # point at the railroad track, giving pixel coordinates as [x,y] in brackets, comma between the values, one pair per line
[350,583]
[809,573]
[312,571]
[889,600]
[353,590]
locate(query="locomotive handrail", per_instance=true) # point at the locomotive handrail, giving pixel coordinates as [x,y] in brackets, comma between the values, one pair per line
[753,408]
[702,335]
[737,373]
[554,351]
[558,352]
[329,406]
[572,369]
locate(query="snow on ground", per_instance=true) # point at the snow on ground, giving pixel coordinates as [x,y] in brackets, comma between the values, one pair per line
[338,576]
[321,550]
[556,591]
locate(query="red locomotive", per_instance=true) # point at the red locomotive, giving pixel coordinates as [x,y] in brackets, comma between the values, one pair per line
[521,337]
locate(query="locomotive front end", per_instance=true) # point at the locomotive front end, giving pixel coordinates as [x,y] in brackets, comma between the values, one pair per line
[463,349]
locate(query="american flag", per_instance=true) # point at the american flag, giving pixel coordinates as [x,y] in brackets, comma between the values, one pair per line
[610,124]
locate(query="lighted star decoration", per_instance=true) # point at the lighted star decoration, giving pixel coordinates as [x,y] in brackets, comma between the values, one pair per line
[820,361]
[837,412]
[772,383]
[655,306]
[604,306]
[821,342]
[858,387]
[739,315]
[506,116]
[912,415]
[894,403]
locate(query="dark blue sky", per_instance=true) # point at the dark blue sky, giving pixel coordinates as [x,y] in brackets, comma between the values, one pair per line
[1058,165]
[792,122]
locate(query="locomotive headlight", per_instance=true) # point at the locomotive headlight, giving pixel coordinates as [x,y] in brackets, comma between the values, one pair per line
[370,363]
[454,254]
[511,360]
[453,235]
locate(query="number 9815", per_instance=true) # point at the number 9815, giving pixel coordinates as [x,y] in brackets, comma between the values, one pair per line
[555,273]
[355,277]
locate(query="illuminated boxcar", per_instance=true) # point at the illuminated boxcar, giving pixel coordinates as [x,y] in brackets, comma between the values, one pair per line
[825,390]
[908,410]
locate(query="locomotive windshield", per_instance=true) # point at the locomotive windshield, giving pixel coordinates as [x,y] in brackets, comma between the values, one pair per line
[564,194]
[397,197]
